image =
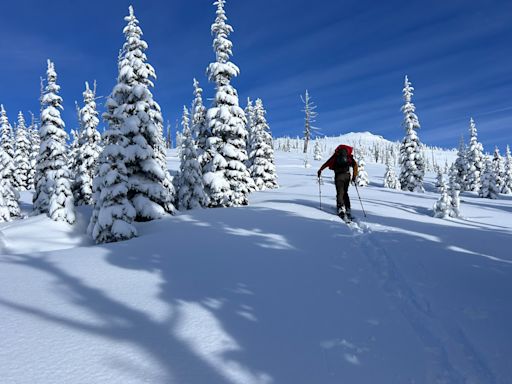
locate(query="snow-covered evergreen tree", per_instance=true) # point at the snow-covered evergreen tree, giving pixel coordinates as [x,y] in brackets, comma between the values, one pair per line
[251,136]
[191,192]
[443,206]
[88,151]
[132,110]
[507,188]
[454,190]
[53,179]
[22,156]
[412,167]
[200,130]
[226,177]
[362,179]
[488,187]
[9,196]
[113,215]
[499,169]
[474,158]
[461,165]
[261,158]
[390,178]
[317,151]
[73,147]
[439,179]
[7,138]
[35,143]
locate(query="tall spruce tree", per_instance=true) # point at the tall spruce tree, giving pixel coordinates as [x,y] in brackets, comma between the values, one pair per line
[22,156]
[9,197]
[53,179]
[488,187]
[132,109]
[461,165]
[35,143]
[499,169]
[191,192]
[89,149]
[7,141]
[263,169]
[251,142]
[474,158]
[507,188]
[113,214]
[412,167]
[226,177]
[200,131]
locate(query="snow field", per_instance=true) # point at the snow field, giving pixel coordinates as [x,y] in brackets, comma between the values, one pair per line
[275,292]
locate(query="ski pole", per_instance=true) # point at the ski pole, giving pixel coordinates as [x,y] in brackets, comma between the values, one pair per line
[320,190]
[358,195]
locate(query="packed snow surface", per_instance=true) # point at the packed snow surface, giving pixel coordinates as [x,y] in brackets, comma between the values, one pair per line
[280,291]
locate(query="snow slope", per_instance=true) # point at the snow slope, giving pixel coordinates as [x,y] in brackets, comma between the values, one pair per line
[276,292]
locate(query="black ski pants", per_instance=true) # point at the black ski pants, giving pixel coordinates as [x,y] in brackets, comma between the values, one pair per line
[342,181]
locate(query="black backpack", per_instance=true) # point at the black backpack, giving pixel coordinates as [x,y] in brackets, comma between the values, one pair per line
[342,161]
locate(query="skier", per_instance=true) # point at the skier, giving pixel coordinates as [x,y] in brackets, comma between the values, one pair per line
[340,162]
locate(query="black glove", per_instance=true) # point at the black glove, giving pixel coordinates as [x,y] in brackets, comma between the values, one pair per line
[319,173]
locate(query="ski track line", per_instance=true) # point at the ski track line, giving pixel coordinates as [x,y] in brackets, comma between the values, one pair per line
[417,310]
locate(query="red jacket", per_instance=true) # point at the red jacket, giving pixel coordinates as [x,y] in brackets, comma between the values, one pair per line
[331,161]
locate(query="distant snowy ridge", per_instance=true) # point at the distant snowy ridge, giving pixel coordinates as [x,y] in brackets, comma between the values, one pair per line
[368,146]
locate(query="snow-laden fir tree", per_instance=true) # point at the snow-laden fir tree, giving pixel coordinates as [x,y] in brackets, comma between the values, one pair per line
[191,192]
[412,167]
[507,188]
[390,178]
[461,165]
[317,151]
[474,158]
[251,142]
[113,215]
[132,110]
[454,190]
[499,169]
[35,142]
[439,178]
[362,179]
[7,138]
[226,177]
[73,147]
[200,130]
[22,156]
[443,206]
[89,149]
[9,196]
[53,193]
[488,187]
[263,169]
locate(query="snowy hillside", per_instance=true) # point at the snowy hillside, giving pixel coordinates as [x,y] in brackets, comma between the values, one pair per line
[279,291]
[373,148]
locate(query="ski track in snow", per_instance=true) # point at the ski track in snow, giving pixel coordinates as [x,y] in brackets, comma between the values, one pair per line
[416,309]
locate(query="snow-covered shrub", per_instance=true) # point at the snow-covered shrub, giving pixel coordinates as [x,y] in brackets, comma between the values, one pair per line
[443,206]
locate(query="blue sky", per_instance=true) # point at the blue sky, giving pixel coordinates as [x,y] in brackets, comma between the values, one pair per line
[351,55]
